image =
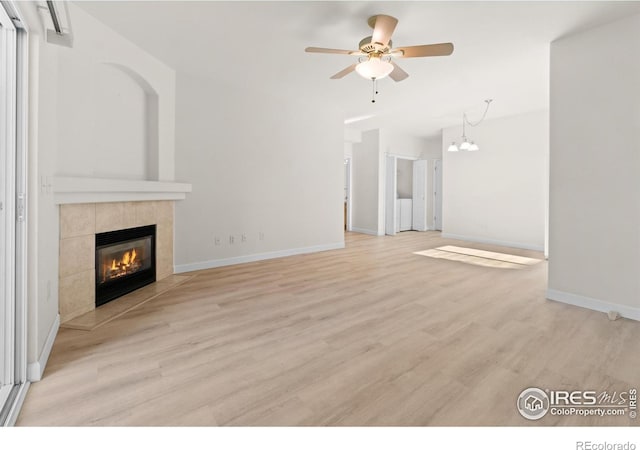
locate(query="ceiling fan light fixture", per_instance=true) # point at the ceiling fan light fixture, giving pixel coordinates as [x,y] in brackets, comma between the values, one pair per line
[374,68]
[473,147]
[375,53]
[465,145]
[453,147]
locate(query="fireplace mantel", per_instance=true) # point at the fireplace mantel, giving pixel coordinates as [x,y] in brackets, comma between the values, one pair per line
[68,190]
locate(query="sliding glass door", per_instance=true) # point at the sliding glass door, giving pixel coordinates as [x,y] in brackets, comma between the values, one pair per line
[7,118]
[12,224]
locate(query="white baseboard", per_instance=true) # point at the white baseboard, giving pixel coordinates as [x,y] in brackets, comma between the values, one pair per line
[539,248]
[255,257]
[595,304]
[36,369]
[364,231]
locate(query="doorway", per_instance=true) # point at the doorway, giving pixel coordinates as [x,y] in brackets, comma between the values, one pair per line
[405,194]
[347,194]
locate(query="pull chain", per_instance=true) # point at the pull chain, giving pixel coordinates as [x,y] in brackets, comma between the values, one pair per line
[374,92]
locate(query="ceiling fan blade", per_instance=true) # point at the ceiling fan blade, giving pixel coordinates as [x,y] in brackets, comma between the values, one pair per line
[397,74]
[344,72]
[328,50]
[383,28]
[417,51]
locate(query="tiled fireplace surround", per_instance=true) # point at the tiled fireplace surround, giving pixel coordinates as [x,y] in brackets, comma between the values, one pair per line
[79,224]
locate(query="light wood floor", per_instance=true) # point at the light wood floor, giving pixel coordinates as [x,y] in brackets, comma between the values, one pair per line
[369,335]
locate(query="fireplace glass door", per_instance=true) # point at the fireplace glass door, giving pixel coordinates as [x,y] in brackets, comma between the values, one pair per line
[125,261]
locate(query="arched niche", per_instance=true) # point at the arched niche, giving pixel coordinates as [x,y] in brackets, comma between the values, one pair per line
[150,123]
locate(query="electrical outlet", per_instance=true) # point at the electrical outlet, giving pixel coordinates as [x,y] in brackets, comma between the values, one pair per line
[231,239]
[216,240]
[244,237]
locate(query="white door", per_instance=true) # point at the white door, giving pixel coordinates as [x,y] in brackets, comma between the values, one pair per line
[391,188]
[437,194]
[419,220]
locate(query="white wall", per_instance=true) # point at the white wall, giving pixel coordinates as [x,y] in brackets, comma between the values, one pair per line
[352,136]
[365,171]
[109,92]
[108,141]
[594,240]
[42,277]
[348,150]
[405,178]
[497,194]
[72,118]
[401,144]
[432,148]
[257,165]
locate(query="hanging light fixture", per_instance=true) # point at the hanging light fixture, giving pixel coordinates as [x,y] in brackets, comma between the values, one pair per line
[374,68]
[466,145]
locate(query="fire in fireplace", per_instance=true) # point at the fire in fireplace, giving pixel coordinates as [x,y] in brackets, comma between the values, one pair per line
[125,261]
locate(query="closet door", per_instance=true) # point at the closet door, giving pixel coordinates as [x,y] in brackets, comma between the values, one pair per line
[419,195]
[405,212]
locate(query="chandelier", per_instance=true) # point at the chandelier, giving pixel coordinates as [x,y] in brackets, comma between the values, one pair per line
[465,145]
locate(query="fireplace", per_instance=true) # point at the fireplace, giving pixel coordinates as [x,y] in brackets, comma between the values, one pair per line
[125,261]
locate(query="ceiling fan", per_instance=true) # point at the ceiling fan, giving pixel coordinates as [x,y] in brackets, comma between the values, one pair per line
[376,53]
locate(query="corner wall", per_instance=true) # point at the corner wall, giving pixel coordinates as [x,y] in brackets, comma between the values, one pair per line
[594,228]
[498,194]
[366,172]
[65,137]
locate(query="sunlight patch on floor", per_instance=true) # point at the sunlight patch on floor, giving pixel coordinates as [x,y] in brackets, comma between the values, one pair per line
[479,257]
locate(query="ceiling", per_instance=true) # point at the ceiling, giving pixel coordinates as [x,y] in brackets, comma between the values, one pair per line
[501,51]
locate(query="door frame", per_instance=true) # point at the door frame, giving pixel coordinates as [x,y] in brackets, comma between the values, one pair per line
[419,214]
[7,229]
[391,190]
[14,156]
[348,187]
[437,193]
